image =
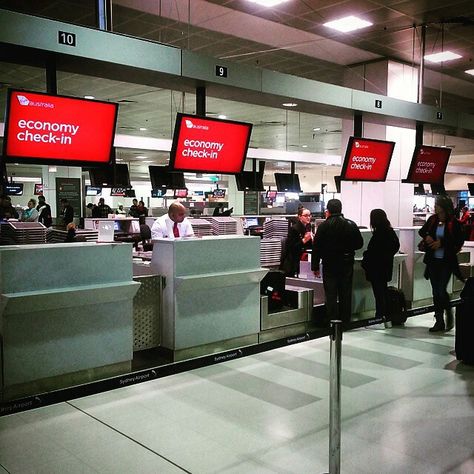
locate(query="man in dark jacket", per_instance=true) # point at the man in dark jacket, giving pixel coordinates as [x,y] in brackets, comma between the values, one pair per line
[335,243]
[44,211]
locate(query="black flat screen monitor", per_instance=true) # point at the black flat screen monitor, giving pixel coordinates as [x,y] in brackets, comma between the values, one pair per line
[471,188]
[337,182]
[289,183]
[39,189]
[420,190]
[110,176]
[249,181]
[272,194]
[163,177]
[437,189]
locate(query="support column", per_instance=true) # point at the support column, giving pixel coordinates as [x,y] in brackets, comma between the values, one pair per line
[396,198]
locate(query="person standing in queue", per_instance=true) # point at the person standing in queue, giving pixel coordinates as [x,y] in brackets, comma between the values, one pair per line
[67,212]
[172,225]
[44,211]
[298,241]
[334,244]
[30,214]
[442,240]
[378,259]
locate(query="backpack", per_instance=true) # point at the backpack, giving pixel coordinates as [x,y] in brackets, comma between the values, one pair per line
[396,306]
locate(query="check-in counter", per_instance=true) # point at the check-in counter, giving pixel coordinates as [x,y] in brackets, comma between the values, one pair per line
[211,294]
[416,288]
[66,315]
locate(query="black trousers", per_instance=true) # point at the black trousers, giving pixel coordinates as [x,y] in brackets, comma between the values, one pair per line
[337,282]
[379,287]
[439,274]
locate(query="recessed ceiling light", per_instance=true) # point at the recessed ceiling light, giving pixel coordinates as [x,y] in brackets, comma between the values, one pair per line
[304,146]
[222,117]
[348,23]
[143,129]
[441,57]
[140,157]
[89,97]
[268,3]
[289,104]
[470,71]
[148,161]
[317,129]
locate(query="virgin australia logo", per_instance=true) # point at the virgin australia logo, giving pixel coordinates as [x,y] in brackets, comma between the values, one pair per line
[190,124]
[27,102]
[23,100]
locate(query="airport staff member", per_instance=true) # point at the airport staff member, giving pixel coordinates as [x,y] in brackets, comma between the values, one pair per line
[172,225]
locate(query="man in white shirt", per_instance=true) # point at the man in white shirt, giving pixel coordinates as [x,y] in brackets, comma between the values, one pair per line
[172,225]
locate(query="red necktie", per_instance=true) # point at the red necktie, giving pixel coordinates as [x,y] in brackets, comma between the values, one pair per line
[175,230]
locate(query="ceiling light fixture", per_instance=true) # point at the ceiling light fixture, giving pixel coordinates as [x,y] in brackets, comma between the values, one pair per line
[470,71]
[143,129]
[347,24]
[289,104]
[304,146]
[441,57]
[222,117]
[89,97]
[141,157]
[317,129]
[268,3]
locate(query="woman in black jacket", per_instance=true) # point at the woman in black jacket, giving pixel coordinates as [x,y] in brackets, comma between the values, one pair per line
[442,240]
[378,259]
[298,241]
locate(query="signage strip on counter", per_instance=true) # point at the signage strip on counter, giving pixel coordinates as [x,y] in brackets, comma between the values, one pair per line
[84,390]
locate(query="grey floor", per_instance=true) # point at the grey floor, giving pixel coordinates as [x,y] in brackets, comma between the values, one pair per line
[408,407]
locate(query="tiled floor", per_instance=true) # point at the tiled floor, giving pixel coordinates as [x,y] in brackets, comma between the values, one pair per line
[408,407]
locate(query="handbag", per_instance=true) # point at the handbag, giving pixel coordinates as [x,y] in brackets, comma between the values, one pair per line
[422,245]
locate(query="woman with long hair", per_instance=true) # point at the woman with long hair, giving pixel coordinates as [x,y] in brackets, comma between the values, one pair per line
[442,240]
[378,259]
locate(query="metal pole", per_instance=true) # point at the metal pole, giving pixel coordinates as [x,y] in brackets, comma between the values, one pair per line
[335,398]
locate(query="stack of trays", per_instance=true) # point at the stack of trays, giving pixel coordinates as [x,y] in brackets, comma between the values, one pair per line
[223,225]
[275,229]
[201,227]
[270,251]
[56,236]
[21,233]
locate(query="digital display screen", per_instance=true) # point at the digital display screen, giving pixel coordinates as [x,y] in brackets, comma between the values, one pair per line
[218,193]
[206,145]
[249,181]
[163,177]
[157,193]
[93,191]
[13,189]
[118,192]
[49,129]
[38,189]
[272,194]
[428,165]
[367,159]
[180,193]
[471,188]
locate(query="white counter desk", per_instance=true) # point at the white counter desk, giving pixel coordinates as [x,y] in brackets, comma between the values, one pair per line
[66,315]
[211,299]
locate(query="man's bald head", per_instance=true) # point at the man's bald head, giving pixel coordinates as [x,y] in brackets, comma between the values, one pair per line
[177,212]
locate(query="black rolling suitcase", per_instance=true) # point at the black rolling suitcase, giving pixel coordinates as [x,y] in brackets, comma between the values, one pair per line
[273,286]
[396,306]
[464,338]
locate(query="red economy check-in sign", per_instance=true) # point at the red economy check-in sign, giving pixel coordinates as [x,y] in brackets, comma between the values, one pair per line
[47,127]
[209,145]
[367,159]
[428,164]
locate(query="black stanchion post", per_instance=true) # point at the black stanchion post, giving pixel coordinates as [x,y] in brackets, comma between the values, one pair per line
[335,398]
